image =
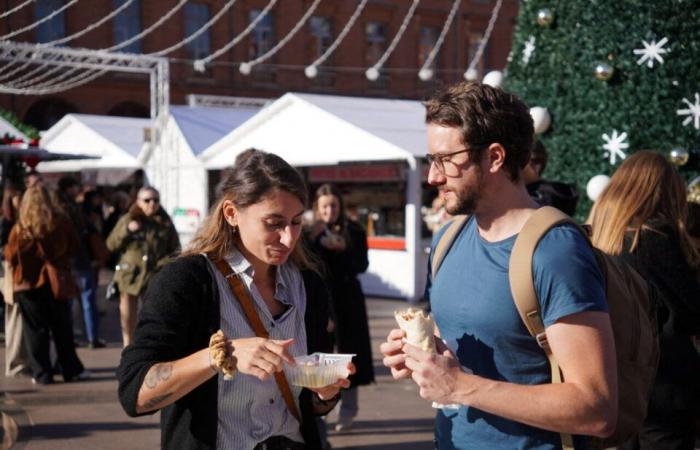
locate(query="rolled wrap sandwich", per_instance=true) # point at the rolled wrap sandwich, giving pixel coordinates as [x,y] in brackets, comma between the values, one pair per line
[419,328]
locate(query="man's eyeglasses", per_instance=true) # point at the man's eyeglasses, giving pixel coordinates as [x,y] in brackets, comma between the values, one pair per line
[439,159]
[151,200]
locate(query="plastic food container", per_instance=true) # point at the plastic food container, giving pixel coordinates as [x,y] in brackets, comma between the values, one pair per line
[318,369]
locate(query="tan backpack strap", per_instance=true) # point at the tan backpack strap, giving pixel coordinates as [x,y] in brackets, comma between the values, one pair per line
[241,293]
[522,285]
[445,242]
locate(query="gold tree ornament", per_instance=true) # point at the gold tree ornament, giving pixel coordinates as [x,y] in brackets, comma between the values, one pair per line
[679,156]
[545,17]
[603,71]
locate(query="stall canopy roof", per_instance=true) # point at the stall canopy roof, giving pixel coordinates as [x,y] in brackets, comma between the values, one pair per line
[202,126]
[7,128]
[117,141]
[311,130]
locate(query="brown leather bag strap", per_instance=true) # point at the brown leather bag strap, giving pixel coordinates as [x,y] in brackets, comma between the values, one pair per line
[241,293]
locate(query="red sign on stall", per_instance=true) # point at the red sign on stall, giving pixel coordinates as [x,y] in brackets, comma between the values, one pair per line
[369,172]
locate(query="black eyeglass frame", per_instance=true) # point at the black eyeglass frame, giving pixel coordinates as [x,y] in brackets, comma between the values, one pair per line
[439,159]
[150,199]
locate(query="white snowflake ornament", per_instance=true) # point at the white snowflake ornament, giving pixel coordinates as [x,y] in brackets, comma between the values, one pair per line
[652,52]
[528,50]
[693,112]
[614,146]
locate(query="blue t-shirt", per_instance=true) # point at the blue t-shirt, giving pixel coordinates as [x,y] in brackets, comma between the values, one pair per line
[473,307]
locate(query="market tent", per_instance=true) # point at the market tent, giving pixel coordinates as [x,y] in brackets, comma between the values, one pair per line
[310,130]
[7,128]
[314,130]
[119,142]
[174,168]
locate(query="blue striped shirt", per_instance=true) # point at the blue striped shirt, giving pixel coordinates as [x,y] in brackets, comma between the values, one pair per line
[251,410]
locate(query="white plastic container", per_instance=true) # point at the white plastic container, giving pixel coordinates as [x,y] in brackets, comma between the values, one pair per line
[318,369]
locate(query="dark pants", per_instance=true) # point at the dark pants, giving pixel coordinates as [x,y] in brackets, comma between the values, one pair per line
[43,318]
[279,443]
[676,432]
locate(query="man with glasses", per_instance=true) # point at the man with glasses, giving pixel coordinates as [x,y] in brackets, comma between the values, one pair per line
[145,238]
[488,365]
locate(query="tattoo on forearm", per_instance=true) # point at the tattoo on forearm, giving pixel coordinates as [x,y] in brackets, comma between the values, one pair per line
[159,372]
[155,401]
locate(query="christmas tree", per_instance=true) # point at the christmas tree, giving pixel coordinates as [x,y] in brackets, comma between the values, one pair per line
[615,76]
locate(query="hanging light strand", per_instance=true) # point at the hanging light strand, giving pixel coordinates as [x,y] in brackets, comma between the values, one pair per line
[89,28]
[48,17]
[46,88]
[311,70]
[20,81]
[425,69]
[200,64]
[16,8]
[373,72]
[148,30]
[194,35]
[484,39]
[245,67]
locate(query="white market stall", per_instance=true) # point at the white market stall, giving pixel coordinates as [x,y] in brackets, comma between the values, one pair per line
[371,146]
[173,166]
[117,142]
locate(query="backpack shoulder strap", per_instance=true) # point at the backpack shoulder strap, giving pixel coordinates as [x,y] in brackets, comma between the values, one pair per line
[522,285]
[520,267]
[445,242]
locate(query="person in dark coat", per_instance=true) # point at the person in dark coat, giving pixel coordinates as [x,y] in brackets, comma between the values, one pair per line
[341,243]
[172,365]
[562,196]
[641,216]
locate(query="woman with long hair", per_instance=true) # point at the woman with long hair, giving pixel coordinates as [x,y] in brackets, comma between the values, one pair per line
[252,238]
[641,215]
[43,235]
[341,243]
[145,240]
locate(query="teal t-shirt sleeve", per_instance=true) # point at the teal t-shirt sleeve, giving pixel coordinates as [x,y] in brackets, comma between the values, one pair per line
[567,277]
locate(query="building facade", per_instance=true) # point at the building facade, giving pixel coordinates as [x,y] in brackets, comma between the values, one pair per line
[342,74]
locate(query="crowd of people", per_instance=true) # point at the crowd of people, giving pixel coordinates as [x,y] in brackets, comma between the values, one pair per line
[209,330]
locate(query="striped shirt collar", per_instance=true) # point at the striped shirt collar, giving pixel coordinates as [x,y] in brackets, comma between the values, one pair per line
[240,265]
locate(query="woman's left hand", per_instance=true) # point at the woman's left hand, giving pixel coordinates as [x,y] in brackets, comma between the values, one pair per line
[330,391]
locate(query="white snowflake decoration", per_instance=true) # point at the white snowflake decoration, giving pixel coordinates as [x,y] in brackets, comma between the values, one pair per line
[652,52]
[614,146]
[529,49]
[693,112]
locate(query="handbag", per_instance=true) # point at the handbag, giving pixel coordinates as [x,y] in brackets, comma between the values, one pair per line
[61,280]
[241,293]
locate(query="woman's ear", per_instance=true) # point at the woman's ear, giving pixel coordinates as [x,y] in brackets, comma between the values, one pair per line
[230,213]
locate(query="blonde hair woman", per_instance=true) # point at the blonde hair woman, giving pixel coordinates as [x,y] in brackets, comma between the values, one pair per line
[43,235]
[641,215]
[254,229]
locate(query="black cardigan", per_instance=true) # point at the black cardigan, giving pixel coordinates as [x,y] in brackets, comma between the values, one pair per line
[179,314]
[659,259]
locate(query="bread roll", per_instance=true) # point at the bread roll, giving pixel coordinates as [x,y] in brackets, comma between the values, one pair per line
[419,328]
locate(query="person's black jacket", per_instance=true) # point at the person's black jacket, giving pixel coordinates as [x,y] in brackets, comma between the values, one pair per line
[659,259]
[562,196]
[180,313]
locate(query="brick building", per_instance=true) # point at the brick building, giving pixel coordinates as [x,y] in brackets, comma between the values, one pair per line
[344,72]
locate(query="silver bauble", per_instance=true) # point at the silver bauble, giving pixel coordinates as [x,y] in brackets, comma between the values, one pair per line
[545,17]
[604,71]
[678,156]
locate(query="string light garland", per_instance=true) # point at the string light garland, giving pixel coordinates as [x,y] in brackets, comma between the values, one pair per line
[246,67]
[372,73]
[469,74]
[194,35]
[312,69]
[40,21]
[200,64]
[16,8]
[89,28]
[44,89]
[20,81]
[426,73]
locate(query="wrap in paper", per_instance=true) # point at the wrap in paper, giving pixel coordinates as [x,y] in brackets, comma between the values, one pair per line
[419,328]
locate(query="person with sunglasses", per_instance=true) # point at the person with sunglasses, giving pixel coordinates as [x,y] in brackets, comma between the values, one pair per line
[145,238]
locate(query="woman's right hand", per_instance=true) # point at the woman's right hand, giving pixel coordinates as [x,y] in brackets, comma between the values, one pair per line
[261,357]
[133,226]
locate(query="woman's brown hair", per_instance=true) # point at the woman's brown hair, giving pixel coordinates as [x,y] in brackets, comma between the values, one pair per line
[645,187]
[37,213]
[254,175]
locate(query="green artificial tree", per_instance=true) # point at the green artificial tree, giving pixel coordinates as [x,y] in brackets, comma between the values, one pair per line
[615,76]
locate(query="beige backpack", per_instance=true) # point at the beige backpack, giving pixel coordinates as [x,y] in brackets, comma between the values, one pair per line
[630,304]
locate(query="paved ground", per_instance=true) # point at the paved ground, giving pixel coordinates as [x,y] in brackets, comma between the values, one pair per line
[87,415]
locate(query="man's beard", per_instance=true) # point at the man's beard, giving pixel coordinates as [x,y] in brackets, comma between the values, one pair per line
[468,197]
